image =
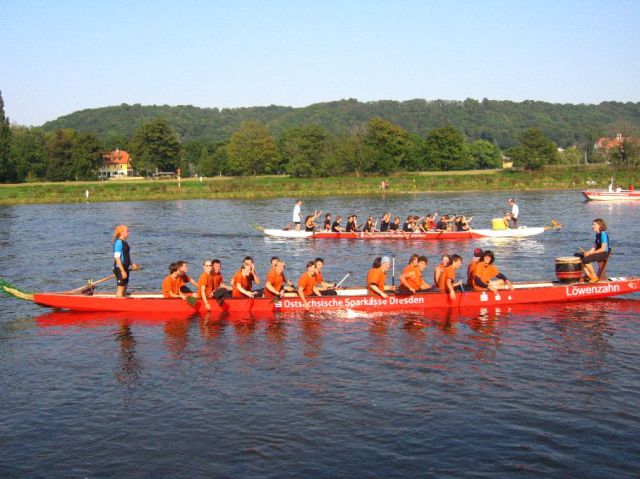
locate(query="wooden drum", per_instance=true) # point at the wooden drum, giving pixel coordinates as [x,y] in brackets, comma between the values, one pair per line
[568,269]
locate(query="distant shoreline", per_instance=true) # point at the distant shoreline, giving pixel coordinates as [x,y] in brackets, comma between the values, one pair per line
[250,187]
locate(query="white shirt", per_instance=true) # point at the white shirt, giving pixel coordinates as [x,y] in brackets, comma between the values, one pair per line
[296,214]
[515,211]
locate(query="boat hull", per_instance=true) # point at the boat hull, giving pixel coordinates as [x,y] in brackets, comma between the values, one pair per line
[349,299]
[604,195]
[420,236]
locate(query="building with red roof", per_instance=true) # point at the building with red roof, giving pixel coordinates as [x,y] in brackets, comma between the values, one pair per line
[117,163]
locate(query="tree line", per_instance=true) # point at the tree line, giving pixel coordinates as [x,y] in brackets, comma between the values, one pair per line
[373,146]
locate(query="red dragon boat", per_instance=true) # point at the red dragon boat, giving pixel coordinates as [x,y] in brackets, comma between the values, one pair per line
[346,299]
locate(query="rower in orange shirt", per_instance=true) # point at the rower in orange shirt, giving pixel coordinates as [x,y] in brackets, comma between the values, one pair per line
[440,268]
[307,284]
[446,281]
[173,285]
[377,276]
[411,280]
[485,271]
[275,285]
[326,288]
[475,261]
[242,282]
[205,283]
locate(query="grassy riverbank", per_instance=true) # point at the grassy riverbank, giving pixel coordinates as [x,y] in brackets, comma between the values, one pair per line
[557,177]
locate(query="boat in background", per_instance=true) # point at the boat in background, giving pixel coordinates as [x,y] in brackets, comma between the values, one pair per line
[608,195]
[521,232]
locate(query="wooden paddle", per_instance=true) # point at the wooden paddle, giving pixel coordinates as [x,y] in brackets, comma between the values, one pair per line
[90,285]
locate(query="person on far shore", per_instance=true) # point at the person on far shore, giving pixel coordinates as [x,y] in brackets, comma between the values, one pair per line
[122,264]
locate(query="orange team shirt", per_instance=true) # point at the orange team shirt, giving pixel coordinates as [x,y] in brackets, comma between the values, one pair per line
[242,280]
[169,284]
[376,276]
[484,272]
[447,273]
[471,271]
[415,280]
[307,282]
[183,279]
[319,279]
[207,281]
[276,280]
[216,281]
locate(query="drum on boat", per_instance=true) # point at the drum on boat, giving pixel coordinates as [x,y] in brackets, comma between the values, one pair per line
[568,269]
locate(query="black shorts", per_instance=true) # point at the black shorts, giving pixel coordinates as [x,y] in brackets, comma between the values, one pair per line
[120,281]
[594,258]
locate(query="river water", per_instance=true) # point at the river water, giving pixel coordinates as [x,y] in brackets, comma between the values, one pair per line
[540,390]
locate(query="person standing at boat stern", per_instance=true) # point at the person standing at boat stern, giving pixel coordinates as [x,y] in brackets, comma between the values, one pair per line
[600,250]
[514,214]
[297,215]
[122,264]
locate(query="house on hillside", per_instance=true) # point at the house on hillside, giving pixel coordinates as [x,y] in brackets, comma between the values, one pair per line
[117,164]
[605,144]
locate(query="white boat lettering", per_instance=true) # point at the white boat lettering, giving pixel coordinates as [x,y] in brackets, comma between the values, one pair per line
[484,296]
[592,289]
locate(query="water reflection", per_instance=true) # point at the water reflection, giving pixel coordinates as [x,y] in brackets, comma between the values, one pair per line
[130,367]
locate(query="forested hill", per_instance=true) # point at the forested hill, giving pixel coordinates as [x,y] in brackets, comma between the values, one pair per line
[497,121]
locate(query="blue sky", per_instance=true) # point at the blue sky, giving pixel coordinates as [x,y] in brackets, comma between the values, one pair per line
[57,57]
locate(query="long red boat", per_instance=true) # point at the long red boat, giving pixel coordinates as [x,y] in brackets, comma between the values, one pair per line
[346,299]
[521,232]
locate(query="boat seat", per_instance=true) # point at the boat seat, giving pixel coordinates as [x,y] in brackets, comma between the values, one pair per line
[602,266]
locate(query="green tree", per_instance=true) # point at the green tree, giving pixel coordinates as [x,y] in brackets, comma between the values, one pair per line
[571,156]
[59,152]
[390,146]
[155,147]
[305,151]
[351,155]
[7,166]
[86,156]
[28,152]
[534,151]
[252,151]
[446,150]
[485,155]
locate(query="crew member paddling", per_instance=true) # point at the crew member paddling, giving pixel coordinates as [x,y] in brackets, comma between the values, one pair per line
[307,284]
[377,276]
[447,280]
[411,280]
[173,285]
[219,288]
[242,282]
[121,260]
[326,288]
[485,271]
[205,283]
[275,283]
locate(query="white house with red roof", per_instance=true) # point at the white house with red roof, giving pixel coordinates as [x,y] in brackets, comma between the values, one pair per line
[117,164]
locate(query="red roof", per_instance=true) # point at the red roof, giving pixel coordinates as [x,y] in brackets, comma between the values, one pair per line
[609,143]
[117,157]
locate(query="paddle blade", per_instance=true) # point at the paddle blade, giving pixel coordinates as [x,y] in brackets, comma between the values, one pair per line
[192,300]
